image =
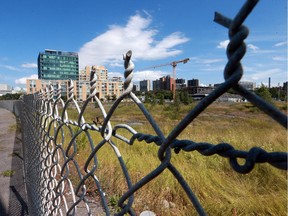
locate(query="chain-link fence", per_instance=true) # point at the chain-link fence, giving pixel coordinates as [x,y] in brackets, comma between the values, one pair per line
[57,181]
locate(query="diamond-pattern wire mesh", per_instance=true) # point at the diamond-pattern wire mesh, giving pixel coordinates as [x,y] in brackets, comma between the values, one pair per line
[56,180]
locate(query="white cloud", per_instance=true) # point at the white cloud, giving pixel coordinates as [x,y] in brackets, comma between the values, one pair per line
[261,51]
[280,44]
[149,75]
[136,35]
[263,74]
[252,47]
[12,68]
[208,64]
[115,74]
[23,79]
[210,68]
[9,67]
[142,75]
[279,58]
[29,65]
[17,88]
[223,44]
[202,85]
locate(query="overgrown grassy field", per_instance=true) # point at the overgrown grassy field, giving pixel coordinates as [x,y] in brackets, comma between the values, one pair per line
[221,190]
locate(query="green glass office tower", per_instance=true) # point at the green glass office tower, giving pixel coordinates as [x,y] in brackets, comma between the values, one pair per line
[58,65]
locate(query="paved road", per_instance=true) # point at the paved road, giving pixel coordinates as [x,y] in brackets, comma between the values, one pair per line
[12,195]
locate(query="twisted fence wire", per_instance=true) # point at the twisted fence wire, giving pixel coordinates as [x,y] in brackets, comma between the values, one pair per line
[50,152]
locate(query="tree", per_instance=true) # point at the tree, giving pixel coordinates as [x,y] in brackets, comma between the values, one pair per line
[184,97]
[277,93]
[264,93]
[114,97]
[149,97]
[161,99]
[10,96]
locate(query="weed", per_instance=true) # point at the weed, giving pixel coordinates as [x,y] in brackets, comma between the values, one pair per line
[219,188]
[8,173]
[113,200]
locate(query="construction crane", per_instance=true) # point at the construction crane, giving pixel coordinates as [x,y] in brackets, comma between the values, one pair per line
[173,64]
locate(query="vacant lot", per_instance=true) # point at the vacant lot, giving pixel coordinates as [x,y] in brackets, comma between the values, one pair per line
[220,190]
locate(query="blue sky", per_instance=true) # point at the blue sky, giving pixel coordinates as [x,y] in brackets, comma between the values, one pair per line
[157,32]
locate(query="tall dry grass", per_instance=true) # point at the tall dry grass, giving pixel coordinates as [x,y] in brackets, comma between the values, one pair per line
[220,190]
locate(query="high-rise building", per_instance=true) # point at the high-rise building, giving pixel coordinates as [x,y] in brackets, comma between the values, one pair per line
[164,83]
[58,65]
[193,82]
[144,85]
[156,84]
[169,83]
[135,88]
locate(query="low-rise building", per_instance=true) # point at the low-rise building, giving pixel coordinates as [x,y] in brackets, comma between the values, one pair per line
[180,83]
[227,97]
[248,85]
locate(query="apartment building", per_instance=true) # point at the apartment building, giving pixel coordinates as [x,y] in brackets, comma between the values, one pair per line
[144,85]
[164,83]
[106,87]
[193,82]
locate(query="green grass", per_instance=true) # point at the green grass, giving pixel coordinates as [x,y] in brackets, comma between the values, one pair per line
[220,190]
[8,173]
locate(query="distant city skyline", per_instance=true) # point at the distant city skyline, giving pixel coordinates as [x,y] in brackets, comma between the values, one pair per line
[157,32]
[148,85]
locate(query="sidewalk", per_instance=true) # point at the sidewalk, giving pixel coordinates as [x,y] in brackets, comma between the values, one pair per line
[12,196]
